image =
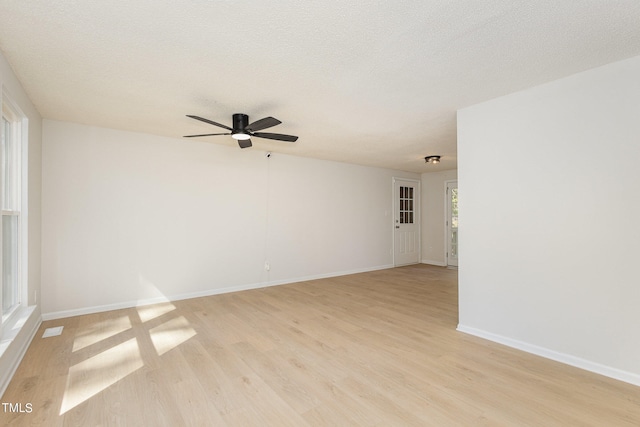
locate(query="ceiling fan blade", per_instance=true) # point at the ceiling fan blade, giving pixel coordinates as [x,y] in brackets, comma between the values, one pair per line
[211,122]
[244,143]
[205,134]
[278,136]
[267,122]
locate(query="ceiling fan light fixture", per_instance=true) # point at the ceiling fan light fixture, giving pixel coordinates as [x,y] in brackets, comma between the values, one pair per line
[432,159]
[240,136]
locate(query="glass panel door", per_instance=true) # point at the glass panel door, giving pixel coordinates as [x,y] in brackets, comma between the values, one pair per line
[452,223]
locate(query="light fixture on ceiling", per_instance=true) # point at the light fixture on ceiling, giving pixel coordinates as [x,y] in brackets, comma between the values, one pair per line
[240,136]
[432,159]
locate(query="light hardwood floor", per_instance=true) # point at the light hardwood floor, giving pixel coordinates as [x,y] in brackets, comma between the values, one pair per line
[371,349]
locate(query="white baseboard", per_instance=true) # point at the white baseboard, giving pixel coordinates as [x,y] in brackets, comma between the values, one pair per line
[567,359]
[432,262]
[148,301]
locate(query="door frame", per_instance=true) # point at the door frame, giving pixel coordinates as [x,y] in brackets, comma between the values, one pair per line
[417,215]
[447,218]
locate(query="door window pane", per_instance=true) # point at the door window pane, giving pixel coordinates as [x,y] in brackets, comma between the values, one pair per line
[406,205]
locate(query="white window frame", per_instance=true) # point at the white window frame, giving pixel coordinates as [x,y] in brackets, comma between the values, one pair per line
[18,205]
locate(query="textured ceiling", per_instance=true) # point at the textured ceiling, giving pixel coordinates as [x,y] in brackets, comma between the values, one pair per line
[369,82]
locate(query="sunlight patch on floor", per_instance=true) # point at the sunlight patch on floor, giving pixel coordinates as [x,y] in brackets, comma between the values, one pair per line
[100,331]
[149,312]
[171,334]
[91,376]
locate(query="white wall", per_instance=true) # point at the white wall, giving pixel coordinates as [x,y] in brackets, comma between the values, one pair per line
[14,340]
[549,231]
[130,217]
[433,224]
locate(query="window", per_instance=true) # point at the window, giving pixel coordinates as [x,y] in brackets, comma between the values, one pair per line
[11,197]
[406,205]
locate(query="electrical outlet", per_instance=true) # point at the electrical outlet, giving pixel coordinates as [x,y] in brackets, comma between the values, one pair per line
[267,266]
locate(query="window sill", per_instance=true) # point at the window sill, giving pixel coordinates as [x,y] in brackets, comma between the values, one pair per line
[16,336]
[14,325]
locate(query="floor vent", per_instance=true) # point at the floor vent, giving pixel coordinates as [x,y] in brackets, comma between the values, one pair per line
[52,332]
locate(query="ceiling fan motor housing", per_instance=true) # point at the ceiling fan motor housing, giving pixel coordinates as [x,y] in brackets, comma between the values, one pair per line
[240,122]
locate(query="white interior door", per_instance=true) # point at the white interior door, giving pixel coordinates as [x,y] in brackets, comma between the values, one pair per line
[452,223]
[406,231]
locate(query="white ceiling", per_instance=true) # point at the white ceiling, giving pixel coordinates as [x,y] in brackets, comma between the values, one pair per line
[368,82]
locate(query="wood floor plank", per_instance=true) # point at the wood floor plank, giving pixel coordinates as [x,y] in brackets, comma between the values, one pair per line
[370,349]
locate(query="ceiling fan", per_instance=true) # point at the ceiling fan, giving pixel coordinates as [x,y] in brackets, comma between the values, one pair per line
[242,131]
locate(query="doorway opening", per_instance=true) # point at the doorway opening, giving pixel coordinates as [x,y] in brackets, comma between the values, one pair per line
[406,222]
[451,228]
